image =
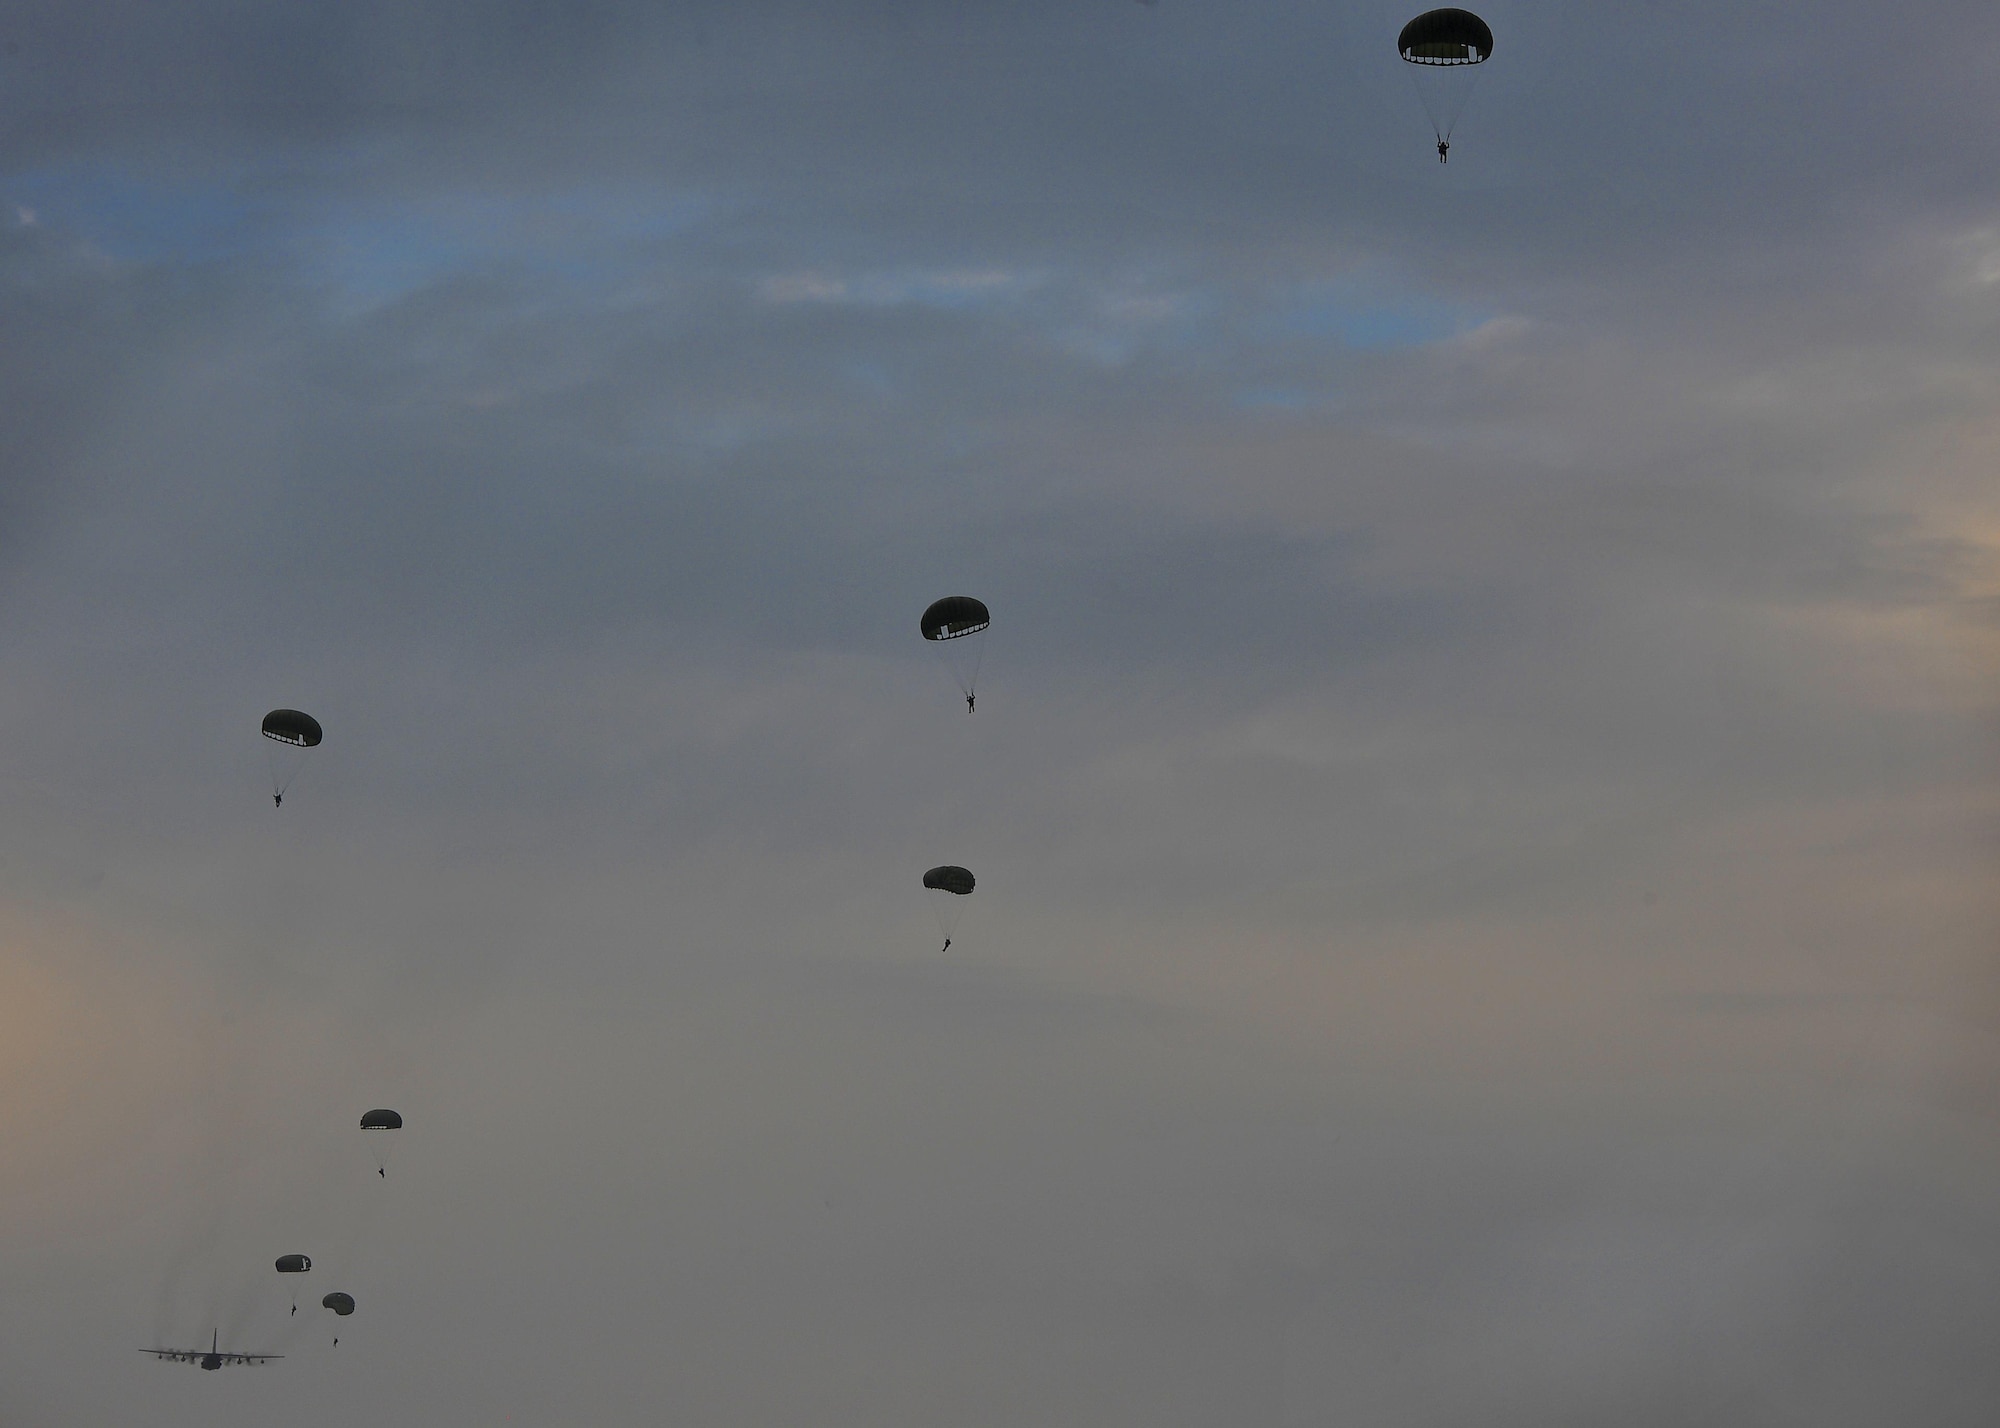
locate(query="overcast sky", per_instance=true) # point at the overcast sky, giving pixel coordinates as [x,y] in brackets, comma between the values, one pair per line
[1485,789]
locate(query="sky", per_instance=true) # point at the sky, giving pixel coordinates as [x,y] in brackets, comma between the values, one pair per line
[1485,790]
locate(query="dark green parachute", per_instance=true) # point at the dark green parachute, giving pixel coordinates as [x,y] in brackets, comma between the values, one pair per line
[293,726]
[950,879]
[949,624]
[1448,37]
[377,1122]
[957,881]
[294,731]
[1442,45]
[294,1264]
[341,1304]
[955,617]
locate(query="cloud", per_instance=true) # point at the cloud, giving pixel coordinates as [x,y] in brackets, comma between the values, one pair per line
[1481,789]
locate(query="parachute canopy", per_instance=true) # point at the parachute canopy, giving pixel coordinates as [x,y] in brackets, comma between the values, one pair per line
[1446,37]
[955,616]
[381,1120]
[292,726]
[341,1304]
[294,1263]
[950,879]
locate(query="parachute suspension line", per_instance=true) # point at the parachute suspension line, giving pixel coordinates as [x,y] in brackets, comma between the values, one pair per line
[1454,106]
[281,772]
[963,665]
[972,679]
[287,763]
[1423,98]
[1464,97]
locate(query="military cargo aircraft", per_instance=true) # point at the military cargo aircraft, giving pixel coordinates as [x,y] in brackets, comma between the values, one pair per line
[212,1358]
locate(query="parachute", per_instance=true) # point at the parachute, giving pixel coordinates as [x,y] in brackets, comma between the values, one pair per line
[293,726]
[957,881]
[294,1264]
[341,1304]
[955,617]
[293,732]
[377,1122]
[945,624]
[1446,37]
[1442,44]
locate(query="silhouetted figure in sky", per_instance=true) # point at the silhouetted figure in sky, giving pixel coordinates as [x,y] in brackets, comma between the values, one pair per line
[1444,151]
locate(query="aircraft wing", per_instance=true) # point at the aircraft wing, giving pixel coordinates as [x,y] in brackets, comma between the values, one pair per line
[188,1356]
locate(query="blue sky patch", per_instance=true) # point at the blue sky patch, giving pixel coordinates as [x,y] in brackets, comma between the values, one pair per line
[1372,320]
[376,251]
[140,219]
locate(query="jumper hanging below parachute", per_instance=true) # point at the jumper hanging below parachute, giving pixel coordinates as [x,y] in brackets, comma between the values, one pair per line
[951,620]
[341,1304]
[957,881]
[294,1264]
[295,731]
[378,1122]
[1444,45]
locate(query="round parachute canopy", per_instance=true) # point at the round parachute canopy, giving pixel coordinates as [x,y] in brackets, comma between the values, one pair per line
[381,1120]
[950,879]
[294,1263]
[292,726]
[955,616]
[1446,37]
[341,1304]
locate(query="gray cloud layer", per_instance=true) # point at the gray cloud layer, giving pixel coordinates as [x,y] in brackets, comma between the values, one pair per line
[1483,796]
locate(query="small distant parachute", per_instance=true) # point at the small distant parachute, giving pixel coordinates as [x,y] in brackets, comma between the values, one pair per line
[951,879]
[341,1304]
[1443,45]
[952,626]
[378,1122]
[959,882]
[294,1264]
[293,731]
